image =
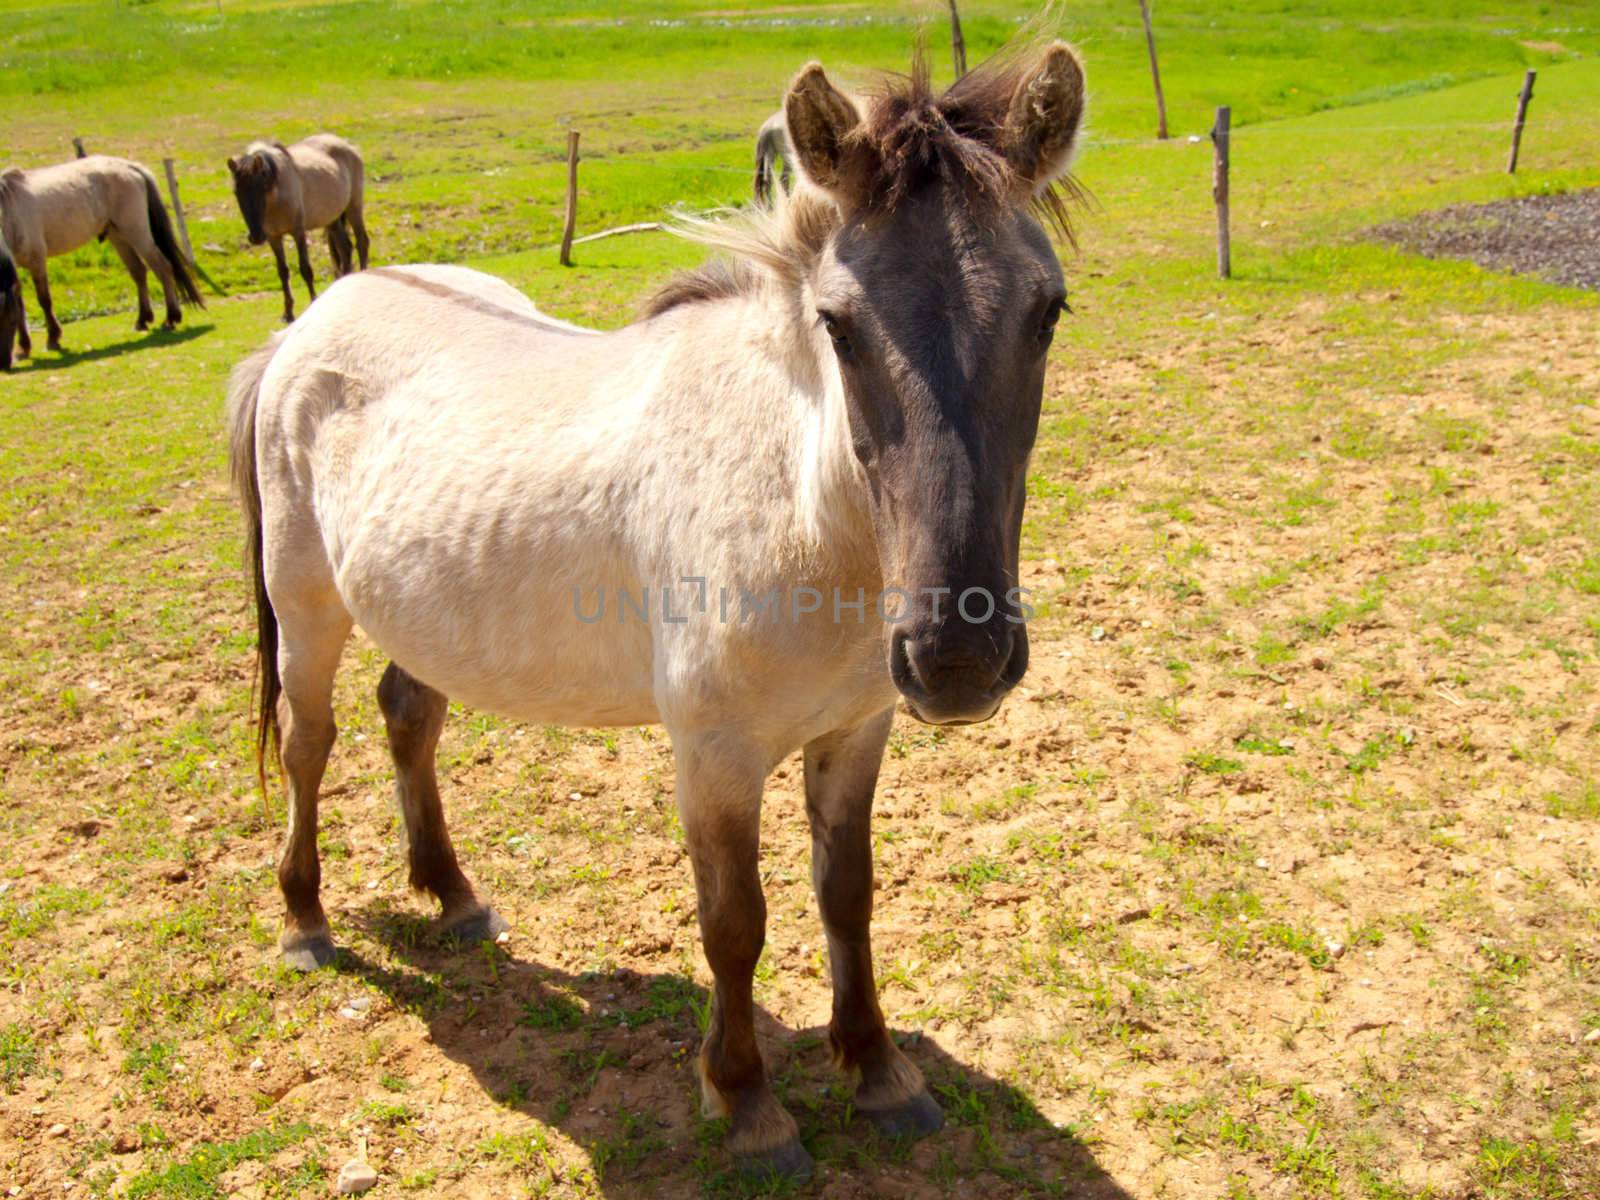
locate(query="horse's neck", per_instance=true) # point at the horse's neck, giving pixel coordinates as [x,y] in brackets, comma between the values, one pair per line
[830,526]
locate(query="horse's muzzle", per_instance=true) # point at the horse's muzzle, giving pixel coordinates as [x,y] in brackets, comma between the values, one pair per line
[956,684]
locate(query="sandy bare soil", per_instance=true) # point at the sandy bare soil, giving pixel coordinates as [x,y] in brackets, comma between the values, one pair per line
[1277,877]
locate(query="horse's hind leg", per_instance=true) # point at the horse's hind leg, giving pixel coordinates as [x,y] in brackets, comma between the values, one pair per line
[841,773]
[414,714]
[140,275]
[41,289]
[339,248]
[358,222]
[142,246]
[311,638]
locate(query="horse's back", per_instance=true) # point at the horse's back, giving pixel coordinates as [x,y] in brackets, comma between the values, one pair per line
[74,201]
[418,426]
[331,177]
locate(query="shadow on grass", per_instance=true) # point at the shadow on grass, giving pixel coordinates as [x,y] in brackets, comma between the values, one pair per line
[59,360]
[608,1059]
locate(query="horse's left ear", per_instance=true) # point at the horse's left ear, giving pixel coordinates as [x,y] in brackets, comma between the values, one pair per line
[233,166]
[1041,127]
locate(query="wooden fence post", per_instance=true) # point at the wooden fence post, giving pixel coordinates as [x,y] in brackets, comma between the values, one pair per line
[1155,72]
[77,144]
[177,209]
[1219,189]
[1522,116]
[958,44]
[572,198]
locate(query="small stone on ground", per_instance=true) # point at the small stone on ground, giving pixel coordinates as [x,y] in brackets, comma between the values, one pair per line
[355,1176]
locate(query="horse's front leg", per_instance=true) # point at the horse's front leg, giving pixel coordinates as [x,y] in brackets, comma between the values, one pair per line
[305,261]
[283,280]
[719,799]
[414,714]
[310,640]
[841,774]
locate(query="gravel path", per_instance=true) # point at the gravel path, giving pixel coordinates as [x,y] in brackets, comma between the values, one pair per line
[1554,237]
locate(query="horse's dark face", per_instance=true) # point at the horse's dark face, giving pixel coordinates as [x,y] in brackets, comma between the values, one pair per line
[10,309]
[255,177]
[940,326]
[939,309]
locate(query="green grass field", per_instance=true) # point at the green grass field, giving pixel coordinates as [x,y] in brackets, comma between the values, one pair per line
[1278,878]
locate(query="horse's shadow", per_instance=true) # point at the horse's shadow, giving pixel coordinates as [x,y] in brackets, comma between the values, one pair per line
[607,1058]
[60,360]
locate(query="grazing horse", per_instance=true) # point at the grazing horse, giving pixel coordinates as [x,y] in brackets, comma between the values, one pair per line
[314,184]
[772,144]
[702,520]
[53,210]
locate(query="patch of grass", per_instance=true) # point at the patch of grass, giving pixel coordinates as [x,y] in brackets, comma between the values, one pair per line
[972,876]
[29,916]
[384,1112]
[667,998]
[1252,744]
[1213,764]
[1583,805]
[195,1177]
[19,1054]
[554,1010]
[1375,750]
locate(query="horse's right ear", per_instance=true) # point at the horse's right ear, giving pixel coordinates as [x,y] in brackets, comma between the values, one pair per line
[821,119]
[233,166]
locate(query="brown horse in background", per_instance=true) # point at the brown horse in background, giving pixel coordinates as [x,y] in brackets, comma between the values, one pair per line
[53,210]
[314,184]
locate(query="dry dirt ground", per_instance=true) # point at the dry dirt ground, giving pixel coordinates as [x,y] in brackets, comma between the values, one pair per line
[1277,877]
[1555,237]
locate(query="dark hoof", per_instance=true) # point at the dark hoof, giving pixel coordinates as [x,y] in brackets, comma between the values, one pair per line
[308,953]
[482,926]
[916,1118]
[788,1163]
[54,346]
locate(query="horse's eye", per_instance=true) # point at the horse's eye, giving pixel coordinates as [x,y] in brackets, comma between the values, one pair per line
[835,330]
[1052,314]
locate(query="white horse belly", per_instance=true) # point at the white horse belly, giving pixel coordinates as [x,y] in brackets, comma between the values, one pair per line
[523,653]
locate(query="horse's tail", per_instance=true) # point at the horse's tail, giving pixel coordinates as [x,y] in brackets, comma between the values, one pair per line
[244,390]
[161,231]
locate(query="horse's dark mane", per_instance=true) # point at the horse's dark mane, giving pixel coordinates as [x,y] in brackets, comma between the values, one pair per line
[716,280]
[913,138]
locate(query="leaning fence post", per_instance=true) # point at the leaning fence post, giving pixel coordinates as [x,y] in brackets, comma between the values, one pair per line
[958,44]
[1219,188]
[1155,72]
[1522,116]
[77,144]
[177,208]
[572,198]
